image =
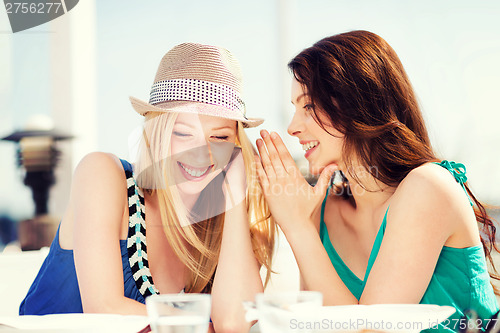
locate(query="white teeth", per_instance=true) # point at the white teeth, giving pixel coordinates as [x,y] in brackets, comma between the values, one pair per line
[309,145]
[194,173]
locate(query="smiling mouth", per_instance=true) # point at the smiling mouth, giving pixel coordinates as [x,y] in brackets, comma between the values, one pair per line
[194,173]
[310,145]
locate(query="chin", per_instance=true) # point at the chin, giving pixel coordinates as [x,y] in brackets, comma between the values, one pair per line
[195,187]
[315,170]
[189,188]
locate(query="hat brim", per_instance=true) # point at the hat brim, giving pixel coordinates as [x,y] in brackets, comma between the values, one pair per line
[142,108]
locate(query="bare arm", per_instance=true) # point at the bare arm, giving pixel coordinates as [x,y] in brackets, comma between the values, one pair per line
[316,270]
[427,209]
[293,202]
[98,199]
[425,213]
[237,278]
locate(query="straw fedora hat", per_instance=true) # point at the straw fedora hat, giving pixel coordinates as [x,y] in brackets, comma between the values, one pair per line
[201,79]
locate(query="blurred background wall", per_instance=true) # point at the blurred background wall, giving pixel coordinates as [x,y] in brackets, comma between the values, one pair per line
[80,69]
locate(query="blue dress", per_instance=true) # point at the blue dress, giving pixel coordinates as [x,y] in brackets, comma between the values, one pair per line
[55,288]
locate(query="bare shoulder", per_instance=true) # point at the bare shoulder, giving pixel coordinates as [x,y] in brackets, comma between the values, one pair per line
[428,210]
[99,174]
[434,185]
[99,163]
[98,194]
[431,193]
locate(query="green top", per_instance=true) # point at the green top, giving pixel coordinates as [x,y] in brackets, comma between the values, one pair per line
[460,279]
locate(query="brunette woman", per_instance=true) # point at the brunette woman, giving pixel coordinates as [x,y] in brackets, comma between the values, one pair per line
[397,224]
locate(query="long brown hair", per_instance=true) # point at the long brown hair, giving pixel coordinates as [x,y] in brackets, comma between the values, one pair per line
[357,80]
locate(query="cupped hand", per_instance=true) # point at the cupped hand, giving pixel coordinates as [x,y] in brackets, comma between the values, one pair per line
[291,199]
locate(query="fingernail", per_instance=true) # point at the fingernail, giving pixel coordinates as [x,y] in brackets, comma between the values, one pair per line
[264,133]
[274,135]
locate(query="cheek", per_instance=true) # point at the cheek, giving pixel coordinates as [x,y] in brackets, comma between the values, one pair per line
[175,147]
[312,125]
[181,146]
[331,146]
[221,152]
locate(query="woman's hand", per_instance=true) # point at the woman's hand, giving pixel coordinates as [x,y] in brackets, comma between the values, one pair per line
[234,186]
[291,199]
[237,277]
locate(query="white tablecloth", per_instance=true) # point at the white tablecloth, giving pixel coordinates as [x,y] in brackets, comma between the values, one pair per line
[74,323]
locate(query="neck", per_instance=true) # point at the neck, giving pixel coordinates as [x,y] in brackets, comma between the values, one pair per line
[189,200]
[368,192]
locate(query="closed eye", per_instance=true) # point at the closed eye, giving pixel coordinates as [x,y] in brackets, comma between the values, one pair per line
[176,133]
[221,138]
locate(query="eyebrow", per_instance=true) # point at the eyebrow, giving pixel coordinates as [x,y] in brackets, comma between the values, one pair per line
[299,98]
[213,129]
[183,123]
[222,127]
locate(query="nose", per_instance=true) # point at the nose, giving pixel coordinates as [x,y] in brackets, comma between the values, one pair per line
[201,153]
[206,156]
[296,126]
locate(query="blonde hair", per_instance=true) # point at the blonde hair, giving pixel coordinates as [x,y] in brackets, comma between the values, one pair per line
[197,245]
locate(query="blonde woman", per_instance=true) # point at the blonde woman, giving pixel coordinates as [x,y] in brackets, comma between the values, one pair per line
[192,197]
